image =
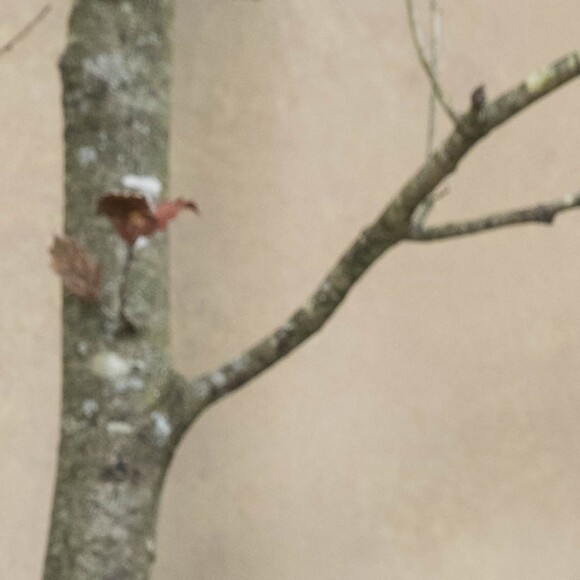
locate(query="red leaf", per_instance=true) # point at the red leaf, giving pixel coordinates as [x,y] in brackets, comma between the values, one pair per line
[130,213]
[80,272]
[132,216]
[167,210]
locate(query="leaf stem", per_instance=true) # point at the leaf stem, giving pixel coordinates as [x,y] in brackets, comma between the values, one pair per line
[124,287]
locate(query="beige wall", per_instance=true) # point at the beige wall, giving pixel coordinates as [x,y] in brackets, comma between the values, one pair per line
[431,431]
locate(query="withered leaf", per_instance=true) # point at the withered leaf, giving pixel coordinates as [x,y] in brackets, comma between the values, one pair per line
[80,272]
[132,216]
[167,210]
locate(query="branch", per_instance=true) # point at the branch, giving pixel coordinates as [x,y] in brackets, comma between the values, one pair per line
[429,71]
[423,211]
[543,214]
[305,322]
[392,226]
[8,46]
[480,120]
[435,36]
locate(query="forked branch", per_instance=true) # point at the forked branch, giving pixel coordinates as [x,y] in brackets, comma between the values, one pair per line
[391,227]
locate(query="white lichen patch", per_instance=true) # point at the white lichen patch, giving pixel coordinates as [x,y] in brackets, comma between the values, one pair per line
[570,199]
[149,185]
[540,80]
[119,533]
[119,428]
[150,547]
[141,128]
[90,408]
[201,390]
[127,7]
[86,155]
[130,383]
[109,365]
[82,348]
[218,379]
[148,40]
[141,242]
[326,286]
[162,428]
[241,363]
[112,68]
[120,254]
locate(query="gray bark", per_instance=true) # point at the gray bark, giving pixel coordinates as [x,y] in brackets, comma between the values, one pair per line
[117,433]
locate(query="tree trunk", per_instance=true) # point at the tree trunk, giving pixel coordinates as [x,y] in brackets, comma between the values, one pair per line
[117,429]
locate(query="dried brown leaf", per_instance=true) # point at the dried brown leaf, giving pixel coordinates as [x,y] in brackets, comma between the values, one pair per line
[80,272]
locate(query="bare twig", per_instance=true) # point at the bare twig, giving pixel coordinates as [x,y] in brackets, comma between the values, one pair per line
[391,227]
[542,214]
[8,46]
[422,212]
[478,123]
[434,38]
[431,75]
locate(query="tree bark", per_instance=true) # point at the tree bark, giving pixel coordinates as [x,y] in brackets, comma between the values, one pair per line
[117,433]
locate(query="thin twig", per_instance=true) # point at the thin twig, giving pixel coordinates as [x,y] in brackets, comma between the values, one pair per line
[8,46]
[391,227]
[423,211]
[542,214]
[435,86]
[434,37]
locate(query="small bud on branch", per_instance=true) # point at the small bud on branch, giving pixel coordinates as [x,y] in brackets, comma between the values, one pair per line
[478,98]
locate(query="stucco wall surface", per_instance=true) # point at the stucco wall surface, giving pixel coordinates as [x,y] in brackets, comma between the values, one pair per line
[431,430]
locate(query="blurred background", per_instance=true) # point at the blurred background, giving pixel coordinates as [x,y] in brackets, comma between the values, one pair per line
[431,430]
